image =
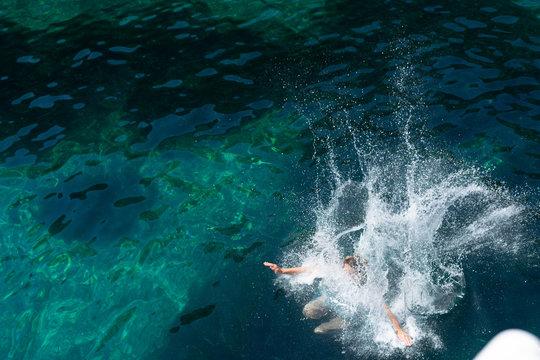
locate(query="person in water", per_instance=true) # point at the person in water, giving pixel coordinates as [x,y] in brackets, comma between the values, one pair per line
[316,309]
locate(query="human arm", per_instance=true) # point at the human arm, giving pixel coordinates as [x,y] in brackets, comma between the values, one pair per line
[289,271]
[402,336]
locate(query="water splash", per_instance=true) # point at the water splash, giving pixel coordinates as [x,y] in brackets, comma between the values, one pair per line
[414,215]
[415,222]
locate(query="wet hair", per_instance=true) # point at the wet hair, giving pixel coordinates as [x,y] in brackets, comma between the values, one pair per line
[359,265]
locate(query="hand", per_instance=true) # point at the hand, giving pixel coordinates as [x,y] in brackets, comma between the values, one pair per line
[404,338]
[274,268]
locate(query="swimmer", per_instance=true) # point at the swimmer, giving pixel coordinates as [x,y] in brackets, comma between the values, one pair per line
[315,309]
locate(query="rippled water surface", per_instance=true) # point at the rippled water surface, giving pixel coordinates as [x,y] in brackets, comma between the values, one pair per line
[153,154]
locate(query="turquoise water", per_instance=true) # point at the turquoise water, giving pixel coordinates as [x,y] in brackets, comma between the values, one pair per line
[154,154]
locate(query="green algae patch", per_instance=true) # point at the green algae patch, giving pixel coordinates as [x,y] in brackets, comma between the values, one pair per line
[146,181]
[33,231]
[117,274]
[22,200]
[6,173]
[179,183]
[158,244]
[129,201]
[83,250]
[154,214]
[117,325]
[151,247]
[58,259]
[148,249]
[127,243]
[37,260]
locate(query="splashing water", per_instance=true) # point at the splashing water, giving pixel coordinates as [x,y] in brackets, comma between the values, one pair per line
[414,226]
[415,218]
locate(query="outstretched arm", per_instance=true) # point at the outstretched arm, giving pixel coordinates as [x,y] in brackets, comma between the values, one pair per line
[290,271]
[402,336]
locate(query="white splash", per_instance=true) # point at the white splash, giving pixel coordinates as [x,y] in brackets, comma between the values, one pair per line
[414,217]
[414,229]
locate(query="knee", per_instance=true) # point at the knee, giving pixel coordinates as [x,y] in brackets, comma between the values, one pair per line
[313,310]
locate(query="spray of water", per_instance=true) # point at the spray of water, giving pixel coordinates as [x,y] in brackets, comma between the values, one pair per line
[414,218]
[415,223]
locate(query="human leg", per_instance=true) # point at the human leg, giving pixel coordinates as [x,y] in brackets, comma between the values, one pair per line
[315,309]
[334,324]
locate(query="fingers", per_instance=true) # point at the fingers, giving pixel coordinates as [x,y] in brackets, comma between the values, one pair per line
[405,339]
[408,340]
[272,267]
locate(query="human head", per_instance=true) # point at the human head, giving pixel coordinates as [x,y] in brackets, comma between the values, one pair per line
[356,265]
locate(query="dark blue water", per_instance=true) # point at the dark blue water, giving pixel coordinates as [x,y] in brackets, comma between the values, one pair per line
[154,154]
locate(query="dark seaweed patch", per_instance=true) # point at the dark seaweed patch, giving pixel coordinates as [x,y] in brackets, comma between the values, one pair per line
[21,201]
[212,247]
[234,228]
[238,254]
[118,323]
[73,176]
[154,214]
[129,201]
[58,225]
[81,195]
[49,196]
[196,314]
[174,329]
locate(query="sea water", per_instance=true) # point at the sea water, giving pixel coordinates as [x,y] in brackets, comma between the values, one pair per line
[153,154]
[415,216]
